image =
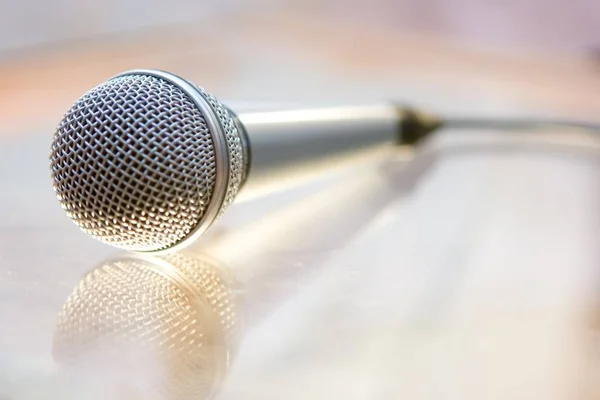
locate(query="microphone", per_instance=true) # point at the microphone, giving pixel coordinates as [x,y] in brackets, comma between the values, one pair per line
[147,161]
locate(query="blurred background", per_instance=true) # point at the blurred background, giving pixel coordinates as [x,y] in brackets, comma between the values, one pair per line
[546,25]
[476,274]
[495,55]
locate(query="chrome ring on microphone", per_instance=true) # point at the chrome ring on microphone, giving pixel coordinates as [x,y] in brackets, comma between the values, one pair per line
[222,156]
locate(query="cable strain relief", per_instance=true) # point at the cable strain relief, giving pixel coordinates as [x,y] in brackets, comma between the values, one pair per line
[414,126]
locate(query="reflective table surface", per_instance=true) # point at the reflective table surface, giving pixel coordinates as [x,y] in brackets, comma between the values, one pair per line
[466,268]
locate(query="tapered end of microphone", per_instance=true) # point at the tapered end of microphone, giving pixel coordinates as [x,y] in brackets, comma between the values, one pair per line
[146,161]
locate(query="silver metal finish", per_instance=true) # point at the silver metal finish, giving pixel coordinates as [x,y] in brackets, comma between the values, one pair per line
[294,140]
[146,161]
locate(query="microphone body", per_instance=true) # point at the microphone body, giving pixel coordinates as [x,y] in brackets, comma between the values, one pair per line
[147,161]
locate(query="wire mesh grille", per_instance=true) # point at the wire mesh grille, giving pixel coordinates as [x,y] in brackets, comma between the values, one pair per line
[234,144]
[133,163]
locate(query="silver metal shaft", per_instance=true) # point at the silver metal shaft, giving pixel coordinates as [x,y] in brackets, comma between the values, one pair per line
[290,142]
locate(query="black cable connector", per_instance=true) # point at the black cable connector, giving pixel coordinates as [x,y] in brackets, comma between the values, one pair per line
[415,126]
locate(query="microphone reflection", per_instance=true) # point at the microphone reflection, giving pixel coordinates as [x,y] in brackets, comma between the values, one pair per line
[167,327]
[149,327]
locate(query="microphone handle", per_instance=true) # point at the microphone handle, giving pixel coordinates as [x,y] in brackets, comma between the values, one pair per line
[290,143]
[285,146]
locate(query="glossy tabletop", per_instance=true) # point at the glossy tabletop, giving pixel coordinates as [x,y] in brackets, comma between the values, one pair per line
[463,269]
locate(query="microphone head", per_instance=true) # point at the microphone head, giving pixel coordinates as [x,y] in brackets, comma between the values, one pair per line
[162,328]
[147,161]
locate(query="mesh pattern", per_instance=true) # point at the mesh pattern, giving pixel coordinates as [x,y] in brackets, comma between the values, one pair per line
[216,290]
[234,144]
[129,318]
[133,163]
